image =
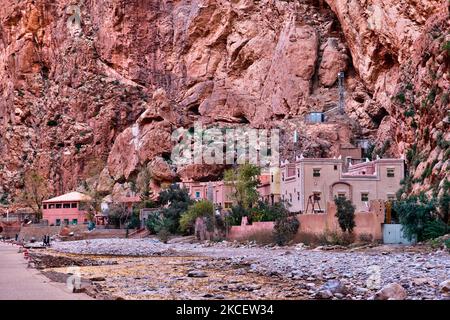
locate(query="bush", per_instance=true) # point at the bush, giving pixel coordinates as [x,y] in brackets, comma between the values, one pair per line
[365,237]
[163,235]
[234,217]
[345,212]
[286,227]
[336,238]
[414,214]
[265,212]
[434,229]
[447,243]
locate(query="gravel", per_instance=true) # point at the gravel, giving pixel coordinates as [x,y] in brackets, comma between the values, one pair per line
[361,272]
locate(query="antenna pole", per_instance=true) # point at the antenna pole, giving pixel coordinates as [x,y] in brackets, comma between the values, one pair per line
[341,77]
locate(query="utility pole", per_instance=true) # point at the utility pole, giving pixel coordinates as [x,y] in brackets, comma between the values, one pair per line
[341,76]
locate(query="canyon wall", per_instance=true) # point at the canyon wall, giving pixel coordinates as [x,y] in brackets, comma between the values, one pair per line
[106,92]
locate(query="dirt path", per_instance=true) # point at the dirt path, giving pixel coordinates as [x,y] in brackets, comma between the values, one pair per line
[17,282]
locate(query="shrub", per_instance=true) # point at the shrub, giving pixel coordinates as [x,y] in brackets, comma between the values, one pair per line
[163,235]
[410,112]
[286,227]
[234,217]
[365,237]
[447,243]
[434,229]
[266,212]
[345,212]
[401,97]
[336,238]
[414,213]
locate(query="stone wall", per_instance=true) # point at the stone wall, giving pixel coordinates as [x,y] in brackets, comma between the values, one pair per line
[366,223]
[38,231]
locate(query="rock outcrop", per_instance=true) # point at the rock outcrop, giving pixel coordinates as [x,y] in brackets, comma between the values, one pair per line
[111,82]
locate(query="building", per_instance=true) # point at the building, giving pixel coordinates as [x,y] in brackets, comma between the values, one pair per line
[308,184]
[66,209]
[218,192]
[269,188]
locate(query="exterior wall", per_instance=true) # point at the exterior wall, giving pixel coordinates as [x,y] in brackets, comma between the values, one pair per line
[51,215]
[366,223]
[368,178]
[221,193]
[270,187]
[330,171]
[292,187]
[244,231]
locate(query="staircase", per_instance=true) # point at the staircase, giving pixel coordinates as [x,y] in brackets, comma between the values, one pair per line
[139,234]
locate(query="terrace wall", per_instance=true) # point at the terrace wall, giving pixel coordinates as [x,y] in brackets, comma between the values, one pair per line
[366,223]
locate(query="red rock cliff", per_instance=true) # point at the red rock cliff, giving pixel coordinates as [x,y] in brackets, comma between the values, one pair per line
[113,87]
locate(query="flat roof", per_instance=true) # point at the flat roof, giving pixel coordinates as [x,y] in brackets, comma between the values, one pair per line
[69,197]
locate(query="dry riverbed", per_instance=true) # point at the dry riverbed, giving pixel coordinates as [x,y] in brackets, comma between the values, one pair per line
[149,269]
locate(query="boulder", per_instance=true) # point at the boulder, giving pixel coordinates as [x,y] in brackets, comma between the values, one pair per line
[392,291]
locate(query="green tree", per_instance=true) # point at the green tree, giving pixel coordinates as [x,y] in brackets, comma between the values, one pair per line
[175,201]
[345,212]
[199,209]
[244,181]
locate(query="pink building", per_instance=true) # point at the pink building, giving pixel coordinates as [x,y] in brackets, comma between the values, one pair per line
[309,184]
[218,192]
[269,188]
[65,209]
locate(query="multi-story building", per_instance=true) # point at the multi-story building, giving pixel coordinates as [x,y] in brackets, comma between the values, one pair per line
[269,187]
[65,209]
[308,184]
[218,192]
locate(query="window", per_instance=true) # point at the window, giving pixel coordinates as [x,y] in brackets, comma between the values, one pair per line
[45,206]
[73,205]
[271,176]
[75,221]
[228,205]
[298,173]
[290,197]
[298,196]
[335,167]
[317,196]
[390,173]
[342,195]
[58,222]
[51,206]
[391,197]
[66,205]
[316,172]
[58,206]
[66,222]
[197,194]
[364,197]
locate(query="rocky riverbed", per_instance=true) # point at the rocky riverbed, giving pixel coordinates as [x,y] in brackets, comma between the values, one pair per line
[149,269]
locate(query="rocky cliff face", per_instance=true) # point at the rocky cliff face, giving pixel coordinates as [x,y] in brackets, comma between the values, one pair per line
[111,87]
